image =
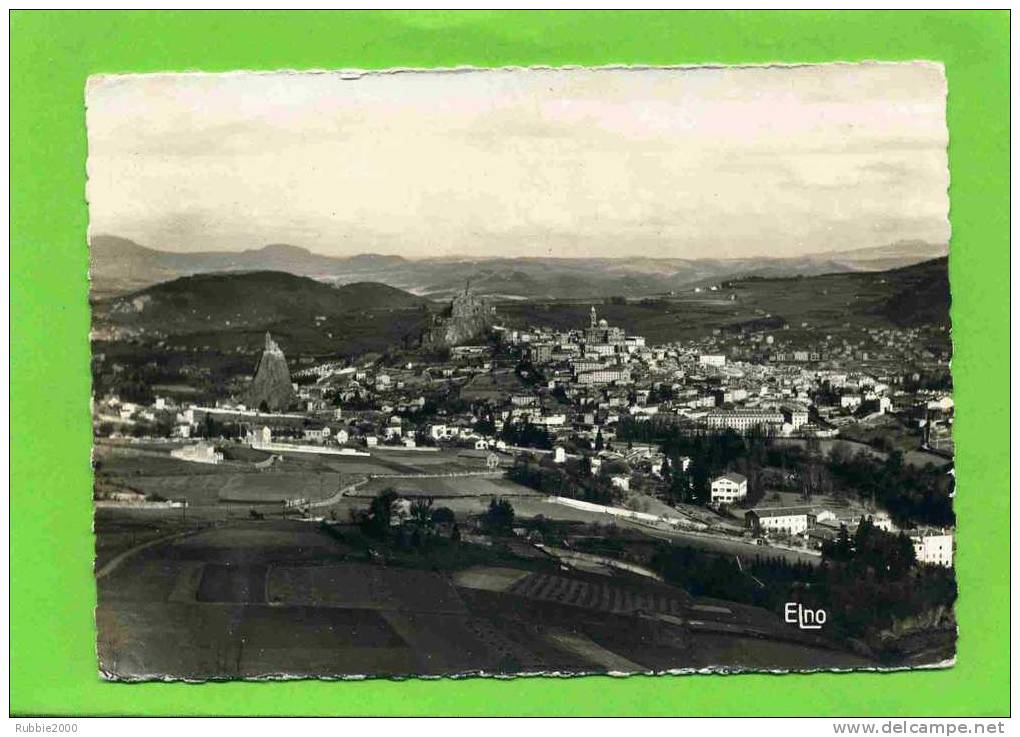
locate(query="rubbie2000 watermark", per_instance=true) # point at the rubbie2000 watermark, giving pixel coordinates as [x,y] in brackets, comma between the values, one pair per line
[37,727]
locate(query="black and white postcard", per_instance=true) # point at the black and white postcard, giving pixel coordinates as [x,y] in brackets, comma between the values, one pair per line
[521,371]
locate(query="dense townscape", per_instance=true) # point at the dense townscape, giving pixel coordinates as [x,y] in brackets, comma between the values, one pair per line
[753,464]
[600,396]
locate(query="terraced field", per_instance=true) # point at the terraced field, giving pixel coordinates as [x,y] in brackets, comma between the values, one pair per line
[603,596]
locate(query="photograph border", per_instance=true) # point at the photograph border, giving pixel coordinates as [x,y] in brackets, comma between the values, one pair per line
[53,666]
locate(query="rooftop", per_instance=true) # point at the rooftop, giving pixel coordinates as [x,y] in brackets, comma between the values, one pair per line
[780,511]
[734,477]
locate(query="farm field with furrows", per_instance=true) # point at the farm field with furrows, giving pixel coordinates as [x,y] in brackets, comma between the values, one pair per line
[601,595]
[257,598]
[363,586]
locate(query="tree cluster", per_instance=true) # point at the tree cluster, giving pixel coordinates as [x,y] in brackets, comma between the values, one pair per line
[872,550]
[573,480]
[913,495]
[499,517]
[526,435]
[860,601]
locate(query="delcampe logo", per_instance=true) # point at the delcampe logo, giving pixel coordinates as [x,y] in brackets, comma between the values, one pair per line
[806,619]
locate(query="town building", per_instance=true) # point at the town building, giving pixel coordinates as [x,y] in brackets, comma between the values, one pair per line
[604,376]
[599,332]
[933,547]
[743,420]
[782,520]
[795,415]
[198,453]
[728,488]
[620,481]
[316,434]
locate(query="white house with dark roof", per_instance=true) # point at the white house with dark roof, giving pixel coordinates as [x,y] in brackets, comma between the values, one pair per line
[784,520]
[933,547]
[728,488]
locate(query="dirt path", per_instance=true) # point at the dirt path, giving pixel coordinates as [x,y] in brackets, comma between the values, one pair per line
[115,562]
[338,495]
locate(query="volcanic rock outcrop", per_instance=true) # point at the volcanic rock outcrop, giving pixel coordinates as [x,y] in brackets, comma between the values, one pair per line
[465,319]
[271,388]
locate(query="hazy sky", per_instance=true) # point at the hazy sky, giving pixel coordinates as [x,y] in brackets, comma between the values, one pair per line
[572,162]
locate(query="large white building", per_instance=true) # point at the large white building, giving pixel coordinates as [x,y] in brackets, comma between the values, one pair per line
[317,434]
[443,432]
[728,488]
[784,520]
[260,436]
[604,376]
[743,420]
[198,453]
[558,420]
[933,547]
[795,414]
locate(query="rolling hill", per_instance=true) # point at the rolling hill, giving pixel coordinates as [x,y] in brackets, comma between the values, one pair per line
[245,301]
[905,297]
[912,296]
[921,294]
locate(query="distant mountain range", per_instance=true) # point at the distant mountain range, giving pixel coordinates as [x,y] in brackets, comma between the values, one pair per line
[119,265]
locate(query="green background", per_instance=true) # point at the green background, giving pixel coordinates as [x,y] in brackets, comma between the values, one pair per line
[53,667]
